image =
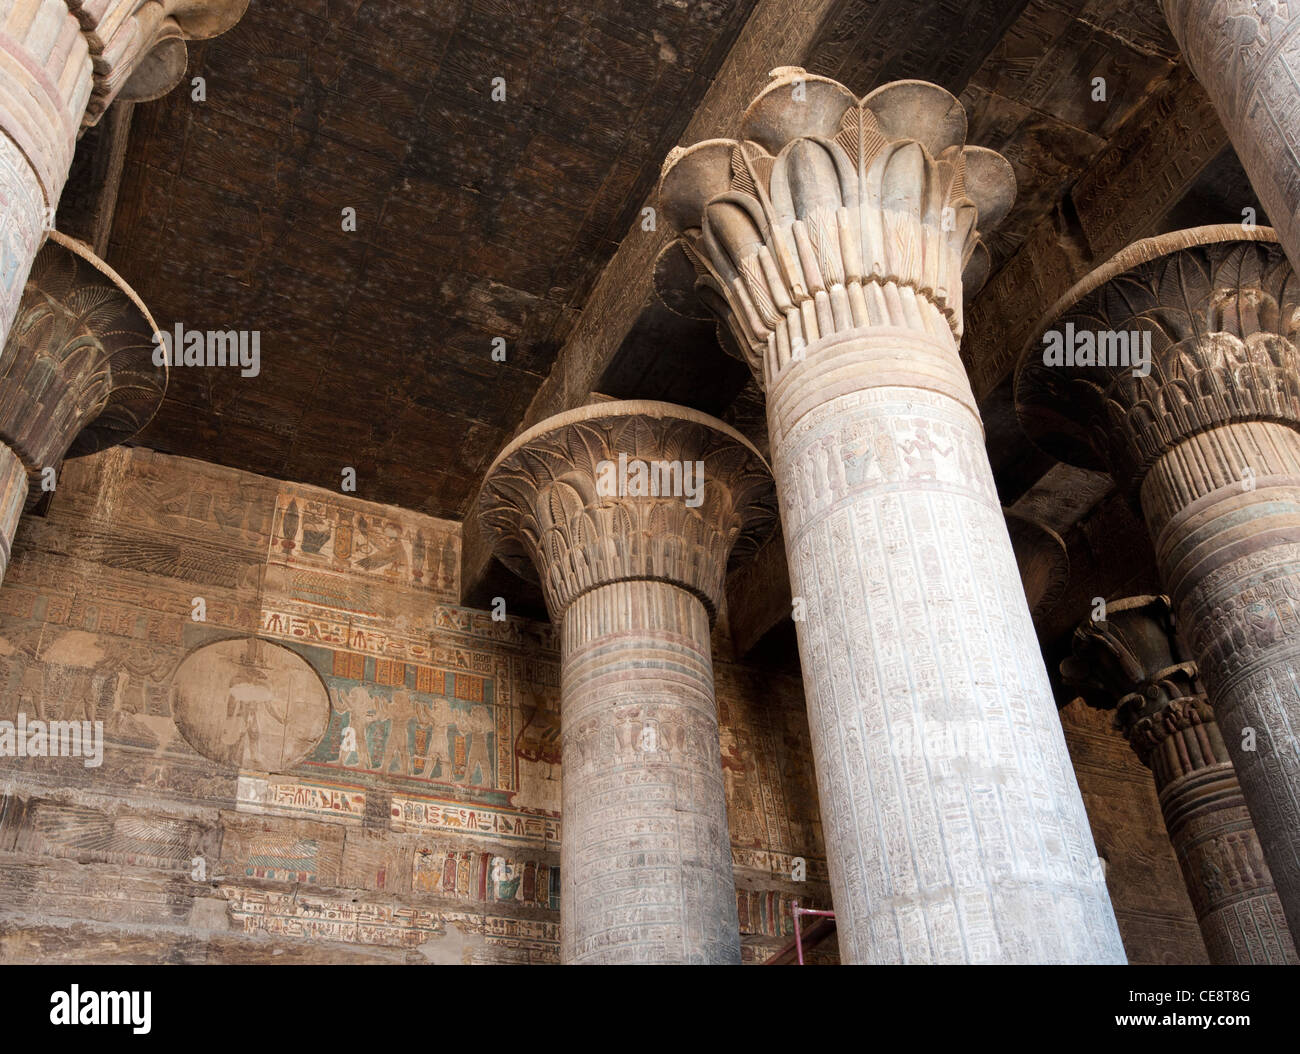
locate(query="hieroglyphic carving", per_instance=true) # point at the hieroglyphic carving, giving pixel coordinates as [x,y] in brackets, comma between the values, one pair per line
[312,530]
[633,574]
[48,79]
[291,797]
[1130,662]
[835,242]
[891,642]
[22,226]
[1247,56]
[94,616]
[428,814]
[1207,444]
[334,918]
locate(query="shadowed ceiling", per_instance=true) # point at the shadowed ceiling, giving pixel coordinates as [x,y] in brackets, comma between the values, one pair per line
[476,219]
[479,219]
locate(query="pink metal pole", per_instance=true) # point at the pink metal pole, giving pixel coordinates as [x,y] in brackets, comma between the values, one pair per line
[798,939]
[797,911]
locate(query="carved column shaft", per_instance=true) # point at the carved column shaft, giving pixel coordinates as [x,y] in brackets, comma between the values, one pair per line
[1230,557]
[633,578]
[1246,56]
[647,857]
[1205,441]
[832,242]
[945,783]
[1130,662]
[1218,850]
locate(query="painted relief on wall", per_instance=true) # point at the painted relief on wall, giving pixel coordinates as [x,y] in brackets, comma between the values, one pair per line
[315,532]
[442,703]
[250,703]
[486,877]
[412,721]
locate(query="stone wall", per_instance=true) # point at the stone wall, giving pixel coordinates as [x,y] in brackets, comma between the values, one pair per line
[442,846]
[310,753]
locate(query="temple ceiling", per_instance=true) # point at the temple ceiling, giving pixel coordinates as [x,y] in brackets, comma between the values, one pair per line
[475,220]
[521,218]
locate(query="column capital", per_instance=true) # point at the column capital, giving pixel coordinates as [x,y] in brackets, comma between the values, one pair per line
[137,47]
[630,490]
[1176,335]
[65,61]
[832,213]
[1130,662]
[77,373]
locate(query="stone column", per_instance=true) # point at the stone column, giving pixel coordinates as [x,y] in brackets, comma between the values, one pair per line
[1203,438]
[1130,662]
[61,63]
[628,513]
[833,239]
[1247,57]
[77,374]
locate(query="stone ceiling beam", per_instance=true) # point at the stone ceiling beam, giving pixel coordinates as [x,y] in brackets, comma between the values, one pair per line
[90,197]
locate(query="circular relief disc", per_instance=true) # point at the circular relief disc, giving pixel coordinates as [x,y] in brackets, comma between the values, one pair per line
[250,703]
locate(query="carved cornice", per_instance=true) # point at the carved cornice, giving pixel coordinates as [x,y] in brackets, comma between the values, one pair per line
[554,511]
[1221,308]
[833,213]
[77,373]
